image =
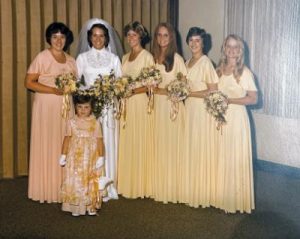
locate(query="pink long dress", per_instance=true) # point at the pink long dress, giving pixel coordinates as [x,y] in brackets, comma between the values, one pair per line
[47,130]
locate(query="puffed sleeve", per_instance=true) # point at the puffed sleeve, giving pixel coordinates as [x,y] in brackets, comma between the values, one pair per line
[36,65]
[68,128]
[98,130]
[179,64]
[117,66]
[149,61]
[247,80]
[210,75]
[80,65]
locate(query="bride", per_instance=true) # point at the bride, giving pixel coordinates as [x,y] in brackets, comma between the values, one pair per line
[98,52]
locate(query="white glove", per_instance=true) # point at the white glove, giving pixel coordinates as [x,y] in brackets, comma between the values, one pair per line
[62,160]
[99,162]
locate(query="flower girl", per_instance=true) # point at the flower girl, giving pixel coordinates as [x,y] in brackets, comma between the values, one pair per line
[82,156]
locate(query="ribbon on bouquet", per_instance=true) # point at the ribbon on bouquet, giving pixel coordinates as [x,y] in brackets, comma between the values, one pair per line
[65,106]
[151,100]
[94,193]
[174,110]
[121,113]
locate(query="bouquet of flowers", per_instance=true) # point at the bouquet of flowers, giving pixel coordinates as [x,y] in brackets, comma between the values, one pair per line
[216,106]
[102,93]
[150,77]
[123,87]
[68,84]
[177,90]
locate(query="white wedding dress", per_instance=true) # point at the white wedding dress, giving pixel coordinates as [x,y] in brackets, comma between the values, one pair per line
[90,63]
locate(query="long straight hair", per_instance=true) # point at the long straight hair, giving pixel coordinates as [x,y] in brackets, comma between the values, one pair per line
[238,70]
[168,61]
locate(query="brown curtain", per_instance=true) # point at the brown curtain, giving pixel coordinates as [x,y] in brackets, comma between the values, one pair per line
[22,27]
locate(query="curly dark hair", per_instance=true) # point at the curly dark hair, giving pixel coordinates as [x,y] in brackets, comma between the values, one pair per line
[57,27]
[206,39]
[105,31]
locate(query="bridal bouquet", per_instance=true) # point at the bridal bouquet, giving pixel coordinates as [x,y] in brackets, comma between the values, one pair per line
[150,77]
[102,93]
[68,84]
[177,90]
[216,106]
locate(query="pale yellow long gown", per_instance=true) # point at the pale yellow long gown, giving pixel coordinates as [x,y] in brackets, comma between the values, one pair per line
[136,138]
[235,191]
[199,167]
[168,137]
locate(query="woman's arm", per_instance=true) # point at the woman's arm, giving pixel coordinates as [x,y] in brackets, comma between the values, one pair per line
[160,91]
[31,83]
[100,147]
[65,145]
[204,93]
[139,90]
[249,99]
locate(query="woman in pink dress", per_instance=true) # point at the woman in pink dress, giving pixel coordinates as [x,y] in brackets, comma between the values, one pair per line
[47,125]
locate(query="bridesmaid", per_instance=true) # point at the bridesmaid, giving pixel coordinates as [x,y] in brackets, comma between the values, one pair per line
[47,125]
[235,191]
[198,169]
[135,145]
[168,135]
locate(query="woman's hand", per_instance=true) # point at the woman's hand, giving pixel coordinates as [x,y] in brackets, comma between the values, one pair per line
[57,91]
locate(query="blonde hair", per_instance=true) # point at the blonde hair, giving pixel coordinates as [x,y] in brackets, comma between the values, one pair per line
[238,70]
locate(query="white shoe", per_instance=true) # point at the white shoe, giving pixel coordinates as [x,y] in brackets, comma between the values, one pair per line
[103,182]
[92,212]
[106,199]
[112,192]
[74,214]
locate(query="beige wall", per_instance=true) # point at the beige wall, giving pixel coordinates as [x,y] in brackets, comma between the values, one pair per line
[276,139]
[207,14]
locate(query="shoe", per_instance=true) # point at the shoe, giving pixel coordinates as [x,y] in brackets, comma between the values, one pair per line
[103,182]
[74,214]
[112,193]
[106,199]
[92,212]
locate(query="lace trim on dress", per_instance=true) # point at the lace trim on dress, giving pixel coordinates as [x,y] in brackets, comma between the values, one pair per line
[98,58]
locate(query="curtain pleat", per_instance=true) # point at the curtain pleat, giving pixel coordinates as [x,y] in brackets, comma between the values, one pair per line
[271,31]
[22,37]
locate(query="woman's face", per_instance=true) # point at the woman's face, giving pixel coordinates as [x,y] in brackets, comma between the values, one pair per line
[98,38]
[83,110]
[232,49]
[195,44]
[163,37]
[58,41]
[133,39]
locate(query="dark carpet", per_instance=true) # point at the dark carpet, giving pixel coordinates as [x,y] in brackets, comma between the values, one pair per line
[277,215]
